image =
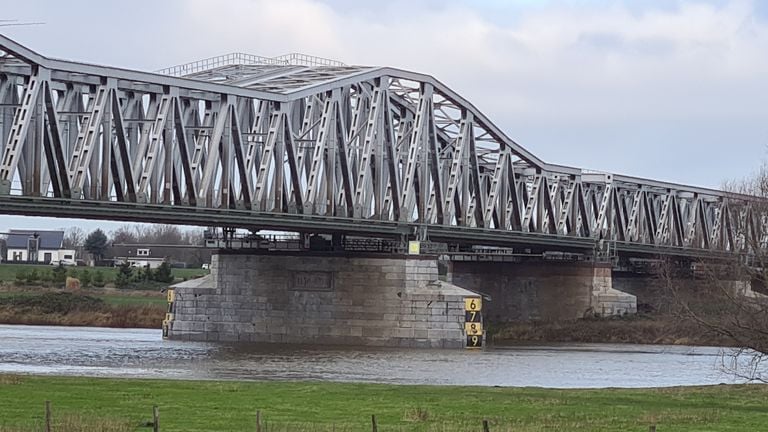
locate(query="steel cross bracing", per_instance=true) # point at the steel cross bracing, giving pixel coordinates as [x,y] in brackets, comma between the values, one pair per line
[292,145]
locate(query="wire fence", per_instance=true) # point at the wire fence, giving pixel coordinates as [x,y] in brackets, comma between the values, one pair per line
[78,423]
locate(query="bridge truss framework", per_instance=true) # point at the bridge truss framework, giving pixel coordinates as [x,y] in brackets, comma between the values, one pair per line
[306,144]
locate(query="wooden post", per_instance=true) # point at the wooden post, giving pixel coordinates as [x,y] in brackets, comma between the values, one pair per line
[258,421]
[652,428]
[374,428]
[485,426]
[155,419]
[47,416]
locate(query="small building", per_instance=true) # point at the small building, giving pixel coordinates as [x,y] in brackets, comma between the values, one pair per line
[141,256]
[37,246]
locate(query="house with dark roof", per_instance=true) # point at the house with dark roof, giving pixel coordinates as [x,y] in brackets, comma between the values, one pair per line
[37,246]
[153,255]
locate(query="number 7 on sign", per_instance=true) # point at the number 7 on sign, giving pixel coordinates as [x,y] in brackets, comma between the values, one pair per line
[472,317]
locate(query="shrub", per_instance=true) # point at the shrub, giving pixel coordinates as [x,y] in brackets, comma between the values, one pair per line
[46,277]
[59,277]
[85,278]
[163,273]
[32,277]
[143,274]
[21,277]
[124,276]
[98,279]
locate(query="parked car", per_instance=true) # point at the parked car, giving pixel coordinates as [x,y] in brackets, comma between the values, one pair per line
[206,266]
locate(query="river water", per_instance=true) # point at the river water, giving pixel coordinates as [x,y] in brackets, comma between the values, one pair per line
[139,353]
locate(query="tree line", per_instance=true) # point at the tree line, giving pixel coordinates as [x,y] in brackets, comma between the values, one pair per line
[98,244]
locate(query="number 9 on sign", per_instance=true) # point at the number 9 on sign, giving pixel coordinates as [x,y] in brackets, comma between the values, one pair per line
[474,341]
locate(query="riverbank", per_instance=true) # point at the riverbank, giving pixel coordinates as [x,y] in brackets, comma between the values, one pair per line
[125,404]
[146,309]
[87,308]
[657,329]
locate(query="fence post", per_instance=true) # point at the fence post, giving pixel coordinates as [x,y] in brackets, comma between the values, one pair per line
[258,421]
[155,419]
[652,428]
[47,416]
[374,427]
[485,426]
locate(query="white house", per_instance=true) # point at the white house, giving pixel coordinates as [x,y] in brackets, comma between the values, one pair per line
[37,246]
[142,256]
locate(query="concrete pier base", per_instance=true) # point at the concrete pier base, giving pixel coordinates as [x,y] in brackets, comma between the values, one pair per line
[543,291]
[381,301]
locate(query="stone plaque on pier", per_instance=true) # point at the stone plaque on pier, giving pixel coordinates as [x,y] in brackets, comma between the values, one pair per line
[312,281]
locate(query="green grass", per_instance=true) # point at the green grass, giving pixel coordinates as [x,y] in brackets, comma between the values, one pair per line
[132,300]
[230,406]
[114,299]
[8,271]
[181,273]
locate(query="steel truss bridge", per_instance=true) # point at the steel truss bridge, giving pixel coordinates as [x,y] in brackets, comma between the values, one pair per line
[300,143]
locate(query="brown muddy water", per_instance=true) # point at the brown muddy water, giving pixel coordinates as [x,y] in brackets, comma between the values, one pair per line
[141,353]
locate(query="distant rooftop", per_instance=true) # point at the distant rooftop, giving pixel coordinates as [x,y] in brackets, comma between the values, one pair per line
[17,239]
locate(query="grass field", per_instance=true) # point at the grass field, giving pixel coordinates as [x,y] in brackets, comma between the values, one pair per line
[8,271]
[113,299]
[294,406]
[133,300]
[56,307]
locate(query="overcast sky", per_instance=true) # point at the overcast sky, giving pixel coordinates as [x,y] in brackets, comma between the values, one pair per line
[672,90]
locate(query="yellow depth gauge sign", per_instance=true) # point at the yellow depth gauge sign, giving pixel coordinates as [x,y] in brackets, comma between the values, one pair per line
[169,314]
[473,321]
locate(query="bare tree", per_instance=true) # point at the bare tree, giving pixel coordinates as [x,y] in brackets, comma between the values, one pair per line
[727,297]
[125,234]
[74,237]
[167,236]
[150,234]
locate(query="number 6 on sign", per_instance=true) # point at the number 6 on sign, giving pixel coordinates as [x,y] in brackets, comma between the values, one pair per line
[473,304]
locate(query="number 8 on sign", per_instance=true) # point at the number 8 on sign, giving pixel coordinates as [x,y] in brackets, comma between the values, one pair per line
[473,328]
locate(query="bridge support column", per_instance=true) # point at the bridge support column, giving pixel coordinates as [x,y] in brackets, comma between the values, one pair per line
[543,290]
[321,299]
[606,300]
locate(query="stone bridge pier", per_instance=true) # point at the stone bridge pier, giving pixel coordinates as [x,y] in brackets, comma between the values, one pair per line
[543,290]
[323,299]
[380,300]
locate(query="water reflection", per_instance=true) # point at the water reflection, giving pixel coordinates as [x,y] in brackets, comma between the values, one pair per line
[143,353]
